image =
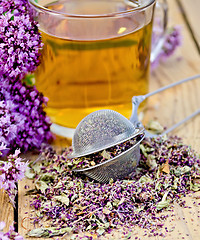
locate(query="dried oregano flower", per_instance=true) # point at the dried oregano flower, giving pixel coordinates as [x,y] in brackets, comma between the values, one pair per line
[65,202]
[101,156]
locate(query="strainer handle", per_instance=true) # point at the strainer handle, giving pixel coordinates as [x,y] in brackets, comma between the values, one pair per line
[175,125]
[172,85]
[136,100]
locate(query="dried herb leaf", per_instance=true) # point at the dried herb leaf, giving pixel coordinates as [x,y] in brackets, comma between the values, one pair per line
[109,205]
[106,211]
[154,127]
[151,162]
[38,232]
[47,177]
[165,167]
[100,231]
[139,209]
[144,151]
[182,170]
[121,201]
[40,185]
[63,198]
[175,184]
[106,155]
[39,214]
[145,179]
[48,232]
[29,173]
[58,185]
[37,167]
[58,169]
[195,187]
[111,181]
[163,203]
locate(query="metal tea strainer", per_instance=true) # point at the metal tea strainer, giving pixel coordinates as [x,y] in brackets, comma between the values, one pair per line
[106,128]
[101,130]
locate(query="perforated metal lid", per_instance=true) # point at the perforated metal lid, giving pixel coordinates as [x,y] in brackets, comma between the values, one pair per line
[100,130]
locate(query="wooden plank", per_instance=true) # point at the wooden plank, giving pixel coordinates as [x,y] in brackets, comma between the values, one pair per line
[177,103]
[24,210]
[191,9]
[6,210]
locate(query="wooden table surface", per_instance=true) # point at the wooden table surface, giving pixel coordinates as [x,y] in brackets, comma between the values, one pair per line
[168,108]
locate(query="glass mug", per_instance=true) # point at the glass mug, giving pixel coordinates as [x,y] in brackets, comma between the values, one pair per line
[96,55]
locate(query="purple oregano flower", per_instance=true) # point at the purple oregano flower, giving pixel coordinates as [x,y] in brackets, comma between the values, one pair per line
[20,40]
[11,234]
[173,39]
[23,122]
[12,170]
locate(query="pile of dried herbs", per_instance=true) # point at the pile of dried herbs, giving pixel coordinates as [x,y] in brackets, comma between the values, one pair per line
[68,203]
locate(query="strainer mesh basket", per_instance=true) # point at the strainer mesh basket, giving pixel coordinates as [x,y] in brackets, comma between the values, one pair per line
[117,168]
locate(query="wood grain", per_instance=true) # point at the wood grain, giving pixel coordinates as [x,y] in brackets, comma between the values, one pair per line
[6,210]
[25,212]
[191,9]
[168,108]
[175,104]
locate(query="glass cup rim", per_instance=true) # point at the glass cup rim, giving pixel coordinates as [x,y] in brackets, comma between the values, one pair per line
[114,14]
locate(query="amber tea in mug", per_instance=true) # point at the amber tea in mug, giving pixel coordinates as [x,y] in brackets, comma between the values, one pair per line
[95,56]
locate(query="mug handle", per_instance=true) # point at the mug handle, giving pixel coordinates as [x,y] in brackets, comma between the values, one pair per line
[159,42]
